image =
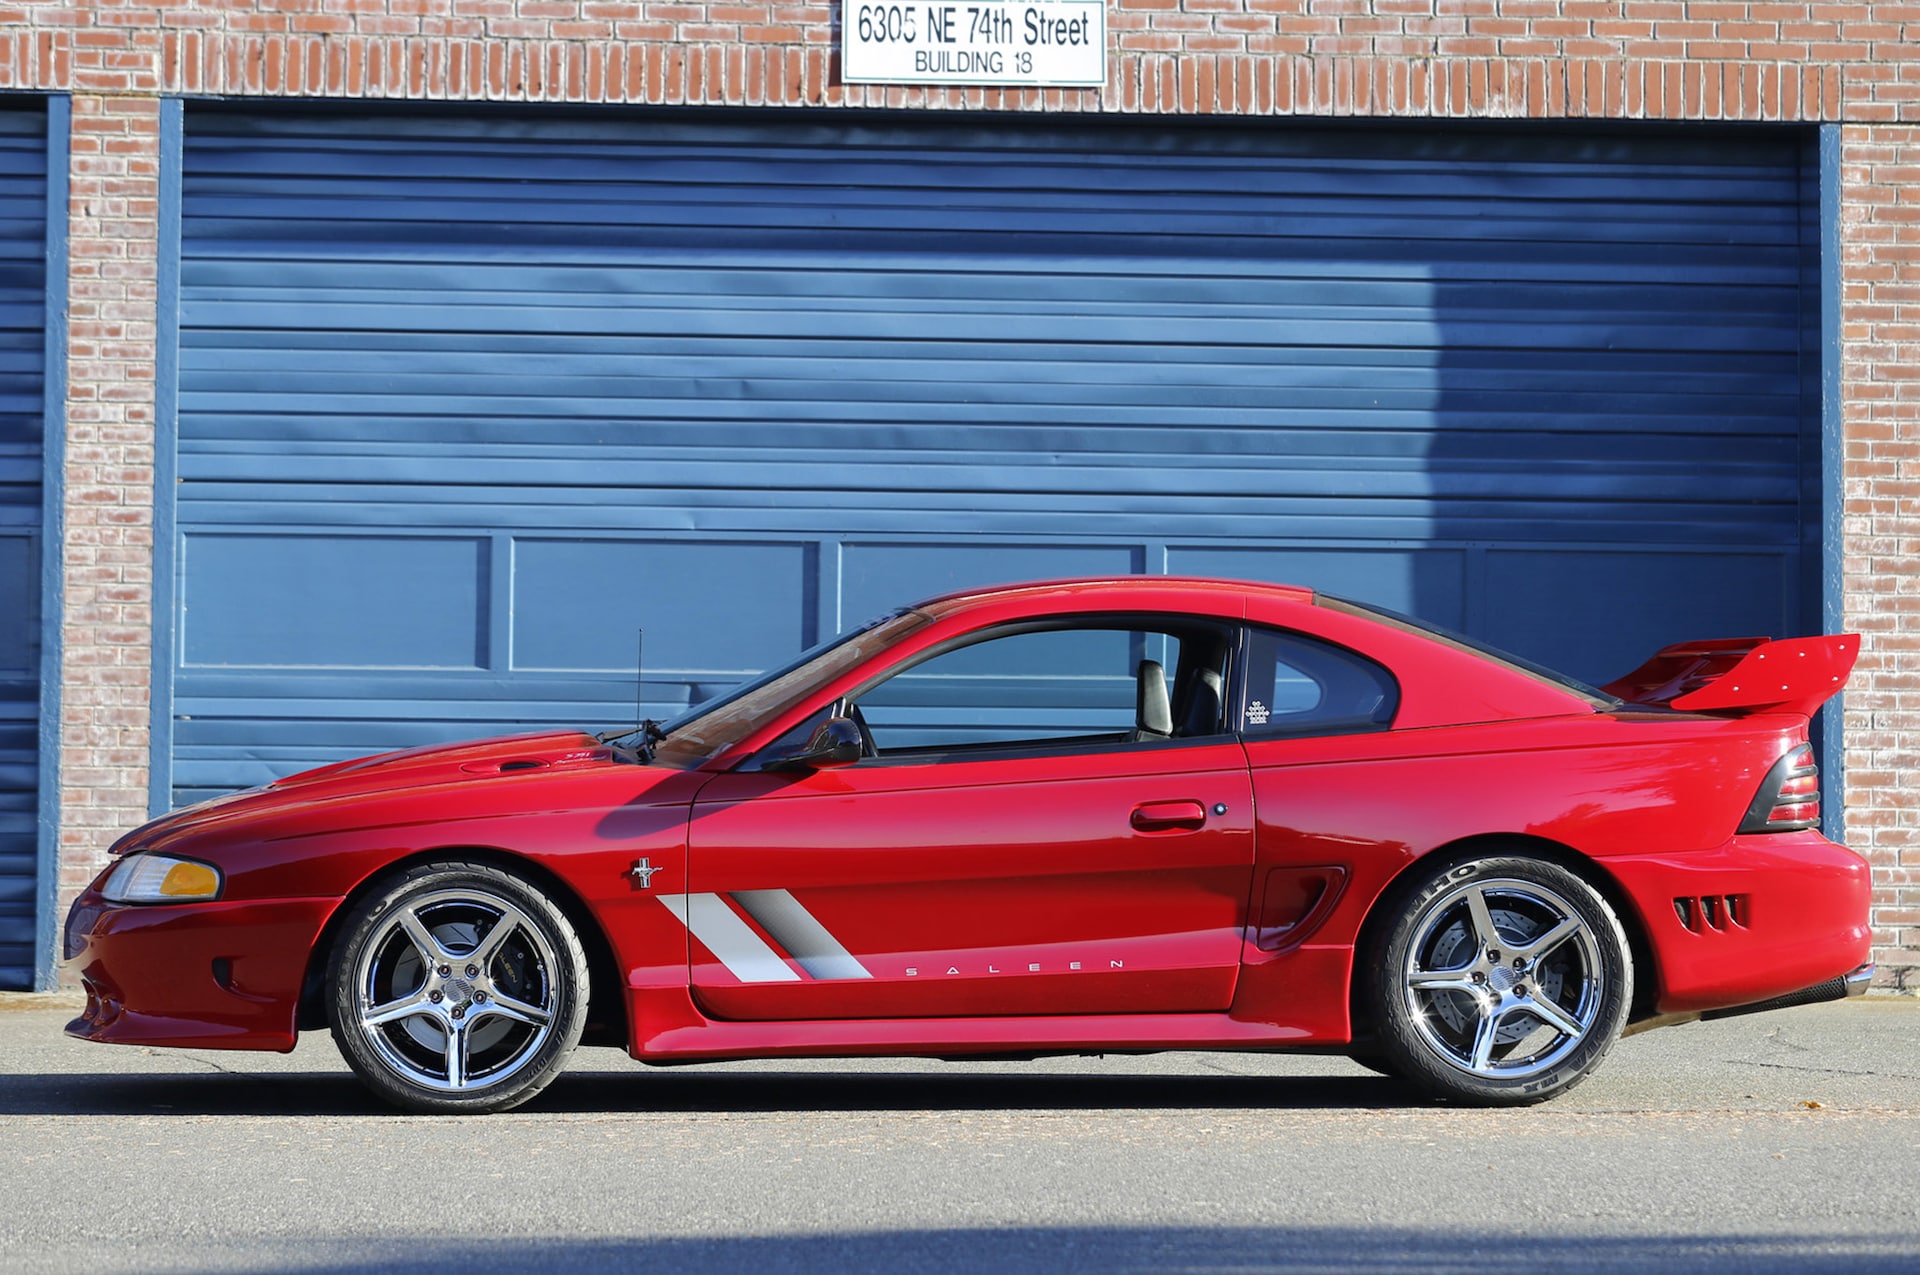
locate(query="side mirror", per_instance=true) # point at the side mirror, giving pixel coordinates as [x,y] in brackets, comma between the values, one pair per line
[836,743]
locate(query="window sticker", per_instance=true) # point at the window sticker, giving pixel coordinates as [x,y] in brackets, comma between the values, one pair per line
[1257,714]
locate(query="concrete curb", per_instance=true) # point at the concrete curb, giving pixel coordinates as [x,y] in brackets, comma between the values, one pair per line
[65,998]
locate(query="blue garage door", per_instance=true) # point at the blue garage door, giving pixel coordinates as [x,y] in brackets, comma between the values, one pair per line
[464,402]
[23,210]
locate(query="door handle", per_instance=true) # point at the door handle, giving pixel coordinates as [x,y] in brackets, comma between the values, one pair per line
[1169,816]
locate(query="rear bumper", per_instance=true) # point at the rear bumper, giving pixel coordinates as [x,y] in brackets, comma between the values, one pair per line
[202,975]
[1763,917]
[1846,987]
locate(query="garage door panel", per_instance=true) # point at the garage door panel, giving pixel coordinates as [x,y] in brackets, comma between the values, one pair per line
[23,197]
[909,398]
[1116,517]
[1351,433]
[241,738]
[1619,608]
[269,601]
[955,186]
[877,577]
[578,602]
[1203,179]
[1312,379]
[1513,473]
[801,364]
[863,290]
[19,619]
[1648,264]
[864,222]
[1013,324]
[1654,374]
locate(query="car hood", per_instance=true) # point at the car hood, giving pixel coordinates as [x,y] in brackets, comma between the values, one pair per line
[439,763]
[386,774]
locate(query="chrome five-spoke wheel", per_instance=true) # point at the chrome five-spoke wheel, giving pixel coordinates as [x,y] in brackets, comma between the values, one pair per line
[1503,981]
[459,989]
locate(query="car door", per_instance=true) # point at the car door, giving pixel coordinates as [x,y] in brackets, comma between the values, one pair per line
[1019,841]
[1315,719]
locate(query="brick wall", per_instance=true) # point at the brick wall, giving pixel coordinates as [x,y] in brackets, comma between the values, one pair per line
[1880,369]
[108,618]
[1516,58]
[1614,59]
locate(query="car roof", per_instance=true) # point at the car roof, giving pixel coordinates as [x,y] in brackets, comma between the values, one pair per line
[1444,680]
[1104,587]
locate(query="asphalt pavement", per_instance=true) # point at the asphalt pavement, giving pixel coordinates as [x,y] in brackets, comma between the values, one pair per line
[1775,1144]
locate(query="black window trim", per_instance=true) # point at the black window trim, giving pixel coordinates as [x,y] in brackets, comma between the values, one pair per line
[1018,750]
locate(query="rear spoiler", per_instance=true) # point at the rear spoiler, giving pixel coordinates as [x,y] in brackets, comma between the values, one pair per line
[1743,675]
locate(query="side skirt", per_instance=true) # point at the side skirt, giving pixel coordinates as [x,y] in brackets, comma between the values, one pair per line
[668,1027]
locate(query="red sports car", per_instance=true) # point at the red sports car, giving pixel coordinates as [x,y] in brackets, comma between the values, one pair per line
[1076,816]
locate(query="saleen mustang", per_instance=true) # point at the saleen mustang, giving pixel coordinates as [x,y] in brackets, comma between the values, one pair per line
[1075,816]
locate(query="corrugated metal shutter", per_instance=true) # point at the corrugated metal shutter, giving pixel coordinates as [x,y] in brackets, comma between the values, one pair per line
[465,401]
[23,203]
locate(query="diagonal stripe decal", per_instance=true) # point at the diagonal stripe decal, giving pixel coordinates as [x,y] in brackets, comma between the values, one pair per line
[744,953]
[711,919]
[800,932]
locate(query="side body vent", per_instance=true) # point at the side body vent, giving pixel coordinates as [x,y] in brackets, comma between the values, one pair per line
[1713,913]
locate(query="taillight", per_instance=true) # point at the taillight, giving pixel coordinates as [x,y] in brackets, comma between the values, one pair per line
[1789,799]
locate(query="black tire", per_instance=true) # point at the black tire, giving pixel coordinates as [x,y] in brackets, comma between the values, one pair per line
[457,988]
[1500,981]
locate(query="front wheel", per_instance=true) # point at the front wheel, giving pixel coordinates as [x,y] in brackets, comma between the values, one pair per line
[458,988]
[1503,981]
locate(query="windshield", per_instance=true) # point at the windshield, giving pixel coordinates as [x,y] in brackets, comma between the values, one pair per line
[1448,636]
[720,723]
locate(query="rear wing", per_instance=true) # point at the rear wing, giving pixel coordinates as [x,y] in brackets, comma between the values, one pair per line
[1743,675]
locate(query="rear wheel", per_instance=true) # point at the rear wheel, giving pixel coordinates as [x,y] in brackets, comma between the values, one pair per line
[1503,981]
[458,988]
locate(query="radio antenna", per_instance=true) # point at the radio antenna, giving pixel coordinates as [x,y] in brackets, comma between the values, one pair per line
[647,730]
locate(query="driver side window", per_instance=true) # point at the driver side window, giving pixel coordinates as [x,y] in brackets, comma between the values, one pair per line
[1034,686]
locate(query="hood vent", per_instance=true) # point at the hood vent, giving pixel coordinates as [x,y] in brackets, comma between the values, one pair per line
[506,767]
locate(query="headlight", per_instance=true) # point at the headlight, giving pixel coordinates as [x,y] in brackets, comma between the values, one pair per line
[160,878]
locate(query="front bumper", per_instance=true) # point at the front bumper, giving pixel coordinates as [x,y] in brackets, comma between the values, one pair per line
[220,975]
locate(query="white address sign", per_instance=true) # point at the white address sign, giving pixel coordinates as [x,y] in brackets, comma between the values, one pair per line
[1028,43]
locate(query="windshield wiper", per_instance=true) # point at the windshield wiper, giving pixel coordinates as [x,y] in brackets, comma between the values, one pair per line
[649,731]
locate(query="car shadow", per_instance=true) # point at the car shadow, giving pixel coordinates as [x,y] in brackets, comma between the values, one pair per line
[973,1090]
[635,1091]
[197,1093]
[1286,1249]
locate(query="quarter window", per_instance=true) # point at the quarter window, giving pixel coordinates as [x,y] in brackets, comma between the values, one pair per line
[1302,686]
